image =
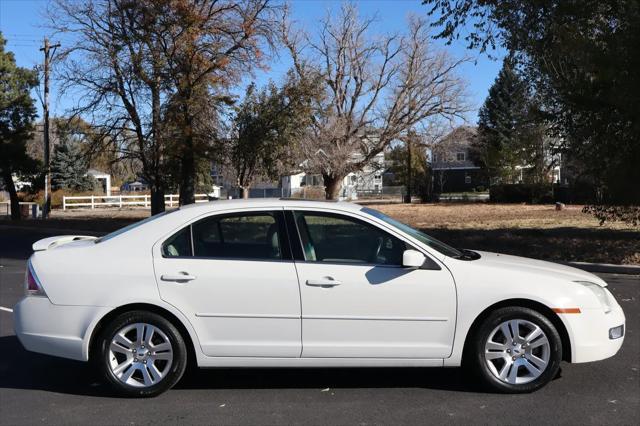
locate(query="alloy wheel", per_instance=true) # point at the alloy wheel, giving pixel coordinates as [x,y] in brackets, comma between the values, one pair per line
[140,355]
[517,351]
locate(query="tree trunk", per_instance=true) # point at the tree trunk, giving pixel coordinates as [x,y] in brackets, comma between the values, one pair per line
[332,186]
[245,192]
[157,199]
[407,198]
[188,173]
[13,195]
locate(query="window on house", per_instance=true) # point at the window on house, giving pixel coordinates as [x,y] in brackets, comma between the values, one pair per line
[460,156]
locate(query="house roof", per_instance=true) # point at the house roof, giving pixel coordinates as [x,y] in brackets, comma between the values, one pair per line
[460,139]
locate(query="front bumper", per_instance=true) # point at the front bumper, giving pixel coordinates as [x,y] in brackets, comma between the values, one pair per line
[589,331]
[58,330]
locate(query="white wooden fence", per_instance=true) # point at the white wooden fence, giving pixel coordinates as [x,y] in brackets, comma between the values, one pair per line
[120,201]
[27,209]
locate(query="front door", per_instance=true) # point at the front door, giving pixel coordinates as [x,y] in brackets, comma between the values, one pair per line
[358,300]
[232,275]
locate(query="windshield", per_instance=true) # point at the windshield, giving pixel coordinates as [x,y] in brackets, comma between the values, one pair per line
[418,235]
[132,226]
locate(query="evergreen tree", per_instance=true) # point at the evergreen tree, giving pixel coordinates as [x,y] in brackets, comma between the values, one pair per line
[504,124]
[582,57]
[69,168]
[267,128]
[17,112]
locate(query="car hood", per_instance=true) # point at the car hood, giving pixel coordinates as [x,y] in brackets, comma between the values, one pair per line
[534,266]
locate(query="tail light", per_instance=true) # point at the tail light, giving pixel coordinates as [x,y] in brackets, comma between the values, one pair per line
[32,284]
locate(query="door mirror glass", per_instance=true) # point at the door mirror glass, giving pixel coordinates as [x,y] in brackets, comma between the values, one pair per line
[412,259]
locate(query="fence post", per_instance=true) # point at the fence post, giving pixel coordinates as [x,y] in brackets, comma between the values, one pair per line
[146,201]
[120,200]
[93,203]
[64,202]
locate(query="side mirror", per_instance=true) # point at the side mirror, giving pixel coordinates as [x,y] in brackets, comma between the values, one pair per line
[412,259]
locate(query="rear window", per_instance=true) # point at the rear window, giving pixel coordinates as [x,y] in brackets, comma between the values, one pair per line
[133,226]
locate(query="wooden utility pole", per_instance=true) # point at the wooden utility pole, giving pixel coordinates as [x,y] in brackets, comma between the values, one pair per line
[47,49]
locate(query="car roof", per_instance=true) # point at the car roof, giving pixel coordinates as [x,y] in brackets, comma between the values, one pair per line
[272,202]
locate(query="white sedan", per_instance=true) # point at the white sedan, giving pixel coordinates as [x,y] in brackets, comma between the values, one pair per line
[289,283]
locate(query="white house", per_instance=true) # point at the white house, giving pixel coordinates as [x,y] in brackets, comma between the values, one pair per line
[367,180]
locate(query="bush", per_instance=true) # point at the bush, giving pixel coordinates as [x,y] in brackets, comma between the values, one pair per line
[521,193]
[309,192]
[627,214]
[480,188]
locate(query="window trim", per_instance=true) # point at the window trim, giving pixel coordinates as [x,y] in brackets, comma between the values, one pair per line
[278,215]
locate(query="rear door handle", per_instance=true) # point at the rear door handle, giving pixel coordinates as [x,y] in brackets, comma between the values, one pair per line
[326,282]
[181,277]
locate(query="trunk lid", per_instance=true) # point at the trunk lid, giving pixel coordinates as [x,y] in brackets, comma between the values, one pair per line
[53,242]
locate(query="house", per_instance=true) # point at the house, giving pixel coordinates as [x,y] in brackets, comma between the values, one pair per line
[135,186]
[368,180]
[454,165]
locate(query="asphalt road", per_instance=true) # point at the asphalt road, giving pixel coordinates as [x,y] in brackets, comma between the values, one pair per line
[40,389]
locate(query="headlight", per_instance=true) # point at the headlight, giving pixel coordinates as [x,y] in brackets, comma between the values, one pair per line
[600,293]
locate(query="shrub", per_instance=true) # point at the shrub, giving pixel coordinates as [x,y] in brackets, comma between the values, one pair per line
[521,193]
[628,214]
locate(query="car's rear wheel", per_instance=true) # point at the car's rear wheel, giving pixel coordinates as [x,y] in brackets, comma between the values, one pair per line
[516,350]
[142,354]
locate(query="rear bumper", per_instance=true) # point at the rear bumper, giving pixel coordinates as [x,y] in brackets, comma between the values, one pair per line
[590,334]
[58,330]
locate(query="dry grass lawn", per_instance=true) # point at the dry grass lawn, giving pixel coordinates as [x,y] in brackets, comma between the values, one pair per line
[534,231]
[537,231]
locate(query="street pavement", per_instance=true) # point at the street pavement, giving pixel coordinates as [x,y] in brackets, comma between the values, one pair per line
[40,389]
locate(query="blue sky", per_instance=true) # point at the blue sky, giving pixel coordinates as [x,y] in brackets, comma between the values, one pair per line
[21,22]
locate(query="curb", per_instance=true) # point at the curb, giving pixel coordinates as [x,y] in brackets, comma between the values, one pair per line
[605,268]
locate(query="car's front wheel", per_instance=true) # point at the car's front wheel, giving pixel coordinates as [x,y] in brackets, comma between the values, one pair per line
[142,354]
[516,350]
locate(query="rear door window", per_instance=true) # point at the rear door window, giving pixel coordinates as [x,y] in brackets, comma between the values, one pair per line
[251,235]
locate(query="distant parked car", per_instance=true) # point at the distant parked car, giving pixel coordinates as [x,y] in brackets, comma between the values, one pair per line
[287,283]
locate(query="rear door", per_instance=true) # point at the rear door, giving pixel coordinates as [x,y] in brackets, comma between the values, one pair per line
[358,300]
[233,276]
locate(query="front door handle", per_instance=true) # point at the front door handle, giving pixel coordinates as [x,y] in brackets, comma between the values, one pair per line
[326,282]
[181,277]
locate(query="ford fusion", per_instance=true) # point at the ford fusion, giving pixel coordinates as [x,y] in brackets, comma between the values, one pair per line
[287,283]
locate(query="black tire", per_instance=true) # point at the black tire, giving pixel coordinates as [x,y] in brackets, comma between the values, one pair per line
[174,371]
[475,351]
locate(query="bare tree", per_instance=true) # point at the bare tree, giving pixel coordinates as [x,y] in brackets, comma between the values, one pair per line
[145,70]
[375,89]
[112,65]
